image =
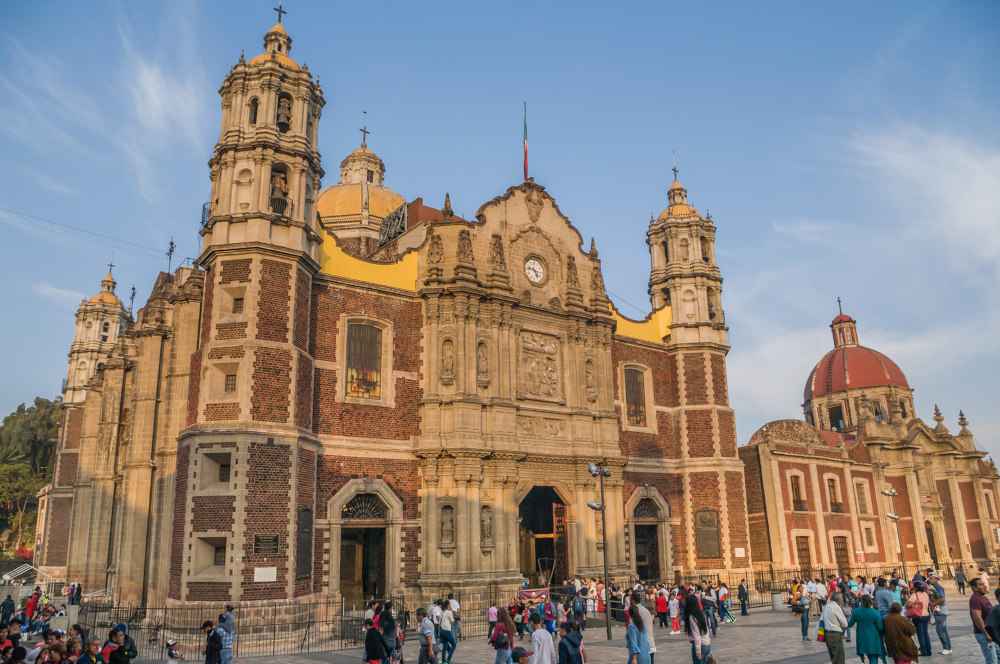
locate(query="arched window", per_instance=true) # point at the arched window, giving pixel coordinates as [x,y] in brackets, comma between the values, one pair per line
[364,361]
[303,556]
[253,111]
[705,251]
[646,509]
[105,327]
[666,252]
[635,397]
[244,190]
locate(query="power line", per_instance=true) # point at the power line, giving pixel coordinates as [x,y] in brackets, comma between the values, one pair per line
[79,230]
[84,239]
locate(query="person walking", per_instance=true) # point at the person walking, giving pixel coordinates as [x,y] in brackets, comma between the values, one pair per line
[836,622]
[213,643]
[899,636]
[979,608]
[541,642]
[570,644]
[6,611]
[647,623]
[869,631]
[883,598]
[960,580]
[939,609]
[227,630]
[503,639]
[448,641]
[387,625]
[918,610]
[636,638]
[425,637]
[674,606]
[662,608]
[743,595]
[374,644]
[696,628]
[491,616]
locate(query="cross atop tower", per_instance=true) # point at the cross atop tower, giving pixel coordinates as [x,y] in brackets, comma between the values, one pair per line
[280,11]
[675,166]
[111,265]
[364,135]
[841,308]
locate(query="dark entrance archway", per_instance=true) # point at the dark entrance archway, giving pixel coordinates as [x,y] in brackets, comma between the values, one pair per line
[542,537]
[929,529]
[362,547]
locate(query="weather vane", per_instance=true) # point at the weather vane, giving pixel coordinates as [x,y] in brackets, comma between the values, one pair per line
[170,254]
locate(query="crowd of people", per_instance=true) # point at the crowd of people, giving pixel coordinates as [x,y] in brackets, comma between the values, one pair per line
[891,617]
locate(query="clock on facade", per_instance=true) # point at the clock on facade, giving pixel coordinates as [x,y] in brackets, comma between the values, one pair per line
[534,270]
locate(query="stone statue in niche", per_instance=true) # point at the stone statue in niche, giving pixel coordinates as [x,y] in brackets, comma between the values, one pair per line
[279,185]
[685,252]
[533,201]
[465,247]
[447,525]
[572,278]
[486,523]
[597,281]
[496,258]
[436,252]
[591,381]
[447,362]
[284,111]
[482,366]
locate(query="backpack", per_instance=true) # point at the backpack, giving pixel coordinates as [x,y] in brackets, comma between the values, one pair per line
[578,605]
[502,641]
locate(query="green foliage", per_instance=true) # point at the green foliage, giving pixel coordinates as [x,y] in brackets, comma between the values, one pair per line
[28,436]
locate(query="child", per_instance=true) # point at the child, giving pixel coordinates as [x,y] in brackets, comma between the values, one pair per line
[174,653]
[374,644]
[675,607]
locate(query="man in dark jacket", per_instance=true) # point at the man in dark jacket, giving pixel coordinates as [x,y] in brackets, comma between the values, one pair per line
[743,594]
[569,645]
[7,609]
[129,646]
[213,643]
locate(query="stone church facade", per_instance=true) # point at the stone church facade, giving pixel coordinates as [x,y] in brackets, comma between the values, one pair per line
[353,394]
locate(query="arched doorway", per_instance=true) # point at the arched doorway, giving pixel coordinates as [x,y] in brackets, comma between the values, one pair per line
[648,520]
[932,549]
[542,541]
[365,519]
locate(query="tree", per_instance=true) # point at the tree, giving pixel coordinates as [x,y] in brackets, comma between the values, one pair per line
[18,487]
[31,432]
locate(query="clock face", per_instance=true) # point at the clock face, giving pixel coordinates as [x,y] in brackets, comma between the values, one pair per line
[534,270]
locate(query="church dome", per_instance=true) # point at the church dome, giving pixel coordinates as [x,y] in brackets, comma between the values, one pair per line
[277,43]
[362,176]
[107,294]
[678,203]
[850,365]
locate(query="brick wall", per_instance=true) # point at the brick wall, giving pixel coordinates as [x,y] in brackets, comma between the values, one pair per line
[272,375]
[206,306]
[727,433]
[304,493]
[194,387]
[736,505]
[59,512]
[178,554]
[72,424]
[670,488]
[67,467]
[304,392]
[273,300]
[221,352]
[212,513]
[695,379]
[300,332]
[972,523]
[235,271]
[700,433]
[705,495]
[665,442]
[229,331]
[760,541]
[332,417]
[719,384]
[208,592]
[222,412]
[268,485]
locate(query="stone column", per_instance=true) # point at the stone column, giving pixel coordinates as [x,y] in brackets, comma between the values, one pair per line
[963,533]
[919,534]
[821,535]
[475,531]
[500,511]
[431,553]
[513,534]
[462,525]
[582,548]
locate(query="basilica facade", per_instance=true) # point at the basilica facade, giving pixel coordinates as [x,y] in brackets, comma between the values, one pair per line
[356,394]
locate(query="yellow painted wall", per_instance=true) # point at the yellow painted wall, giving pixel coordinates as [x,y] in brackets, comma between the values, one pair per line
[653,329]
[333,260]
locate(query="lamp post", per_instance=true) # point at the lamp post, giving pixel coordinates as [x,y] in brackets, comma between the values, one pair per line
[598,470]
[892,493]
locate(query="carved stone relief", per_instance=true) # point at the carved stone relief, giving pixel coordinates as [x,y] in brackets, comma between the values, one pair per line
[572,277]
[533,200]
[496,258]
[538,367]
[465,247]
[540,427]
[482,366]
[436,251]
[591,381]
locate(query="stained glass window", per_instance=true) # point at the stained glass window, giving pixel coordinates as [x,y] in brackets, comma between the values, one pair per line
[364,361]
[635,398]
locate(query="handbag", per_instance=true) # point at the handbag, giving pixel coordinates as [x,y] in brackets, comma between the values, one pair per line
[821,632]
[916,610]
[518,617]
[501,642]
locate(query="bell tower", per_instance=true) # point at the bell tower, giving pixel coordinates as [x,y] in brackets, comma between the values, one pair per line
[266,169]
[684,275]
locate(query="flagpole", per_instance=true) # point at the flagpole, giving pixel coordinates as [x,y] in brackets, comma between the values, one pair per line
[525,141]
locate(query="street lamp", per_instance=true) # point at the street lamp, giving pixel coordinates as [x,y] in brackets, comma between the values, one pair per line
[892,493]
[598,470]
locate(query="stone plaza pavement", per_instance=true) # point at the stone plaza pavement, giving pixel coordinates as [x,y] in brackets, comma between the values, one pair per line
[764,636]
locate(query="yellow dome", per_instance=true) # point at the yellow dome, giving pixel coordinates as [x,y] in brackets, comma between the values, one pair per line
[280,57]
[105,298]
[677,211]
[342,202]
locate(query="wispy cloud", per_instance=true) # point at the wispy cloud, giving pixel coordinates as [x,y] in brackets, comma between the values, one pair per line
[804,230]
[61,295]
[50,184]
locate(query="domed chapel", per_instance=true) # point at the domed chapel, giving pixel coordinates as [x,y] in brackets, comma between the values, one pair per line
[356,394]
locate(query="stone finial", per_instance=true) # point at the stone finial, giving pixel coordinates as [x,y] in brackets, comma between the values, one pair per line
[964,423]
[446,211]
[593,248]
[242,55]
[939,418]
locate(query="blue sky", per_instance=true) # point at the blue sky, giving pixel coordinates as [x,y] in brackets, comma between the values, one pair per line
[845,149]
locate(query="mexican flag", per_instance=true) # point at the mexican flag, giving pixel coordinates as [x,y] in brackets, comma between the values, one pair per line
[526,141]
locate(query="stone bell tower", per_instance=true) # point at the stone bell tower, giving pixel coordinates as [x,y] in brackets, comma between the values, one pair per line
[249,407]
[266,169]
[684,275]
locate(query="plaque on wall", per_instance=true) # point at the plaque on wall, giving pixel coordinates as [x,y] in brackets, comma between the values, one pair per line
[706,533]
[265,574]
[265,544]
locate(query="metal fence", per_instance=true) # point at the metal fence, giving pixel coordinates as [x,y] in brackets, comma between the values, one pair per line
[262,630]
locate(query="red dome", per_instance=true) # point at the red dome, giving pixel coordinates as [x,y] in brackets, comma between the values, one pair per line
[842,318]
[852,367]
